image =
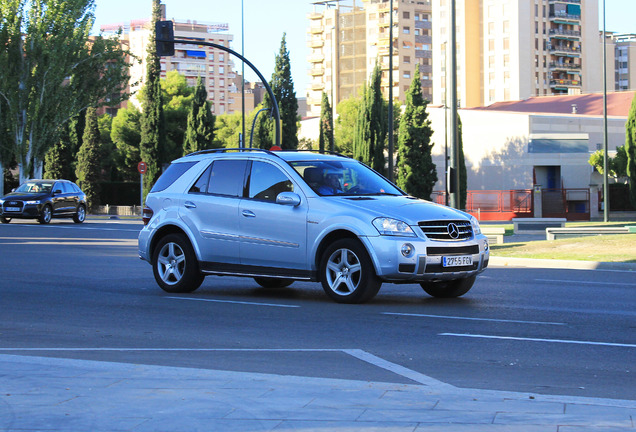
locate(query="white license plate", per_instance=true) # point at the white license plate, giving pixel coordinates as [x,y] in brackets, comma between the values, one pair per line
[457,261]
[12,209]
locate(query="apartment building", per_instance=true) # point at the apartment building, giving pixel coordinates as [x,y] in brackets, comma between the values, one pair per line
[623,48]
[214,66]
[516,49]
[348,37]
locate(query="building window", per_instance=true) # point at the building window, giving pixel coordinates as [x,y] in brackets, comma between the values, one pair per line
[406,15]
[406,30]
[407,59]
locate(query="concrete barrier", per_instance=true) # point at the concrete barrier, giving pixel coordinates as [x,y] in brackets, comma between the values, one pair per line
[495,235]
[560,233]
[536,225]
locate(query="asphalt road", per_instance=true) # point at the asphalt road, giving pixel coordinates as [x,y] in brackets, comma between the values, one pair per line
[80,291]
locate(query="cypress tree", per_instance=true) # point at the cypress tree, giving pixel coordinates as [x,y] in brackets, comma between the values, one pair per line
[58,160]
[416,172]
[89,161]
[200,127]
[283,88]
[463,177]
[326,125]
[152,121]
[371,126]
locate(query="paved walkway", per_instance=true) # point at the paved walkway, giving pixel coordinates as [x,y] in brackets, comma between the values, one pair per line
[51,394]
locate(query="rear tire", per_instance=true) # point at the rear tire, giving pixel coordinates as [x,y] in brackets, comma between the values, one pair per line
[269,282]
[449,289]
[175,265]
[80,215]
[347,273]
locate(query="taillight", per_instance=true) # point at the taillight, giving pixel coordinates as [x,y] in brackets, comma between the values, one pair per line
[147,215]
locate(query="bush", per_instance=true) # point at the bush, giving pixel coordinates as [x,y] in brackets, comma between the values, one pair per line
[120,193]
[619,197]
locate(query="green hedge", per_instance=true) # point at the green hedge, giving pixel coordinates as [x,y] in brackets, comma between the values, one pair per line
[120,193]
[619,197]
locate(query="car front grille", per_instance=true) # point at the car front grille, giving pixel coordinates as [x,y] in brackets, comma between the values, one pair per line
[12,205]
[447,230]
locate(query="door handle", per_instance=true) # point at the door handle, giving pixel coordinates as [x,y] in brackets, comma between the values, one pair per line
[248,213]
[190,204]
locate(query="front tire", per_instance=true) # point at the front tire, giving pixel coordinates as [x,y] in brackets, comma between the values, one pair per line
[5,219]
[80,215]
[269,282]
[347,273]
[46,215]
[449,289]
[175,265]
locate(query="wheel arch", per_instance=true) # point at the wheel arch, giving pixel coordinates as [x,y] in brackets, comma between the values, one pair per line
[337,235]
[166,230]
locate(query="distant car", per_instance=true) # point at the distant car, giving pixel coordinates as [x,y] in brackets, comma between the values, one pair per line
[43,200]
[285,216]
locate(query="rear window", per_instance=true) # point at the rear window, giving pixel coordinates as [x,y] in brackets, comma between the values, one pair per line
[171,175]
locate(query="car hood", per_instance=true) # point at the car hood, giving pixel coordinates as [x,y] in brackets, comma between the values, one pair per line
[20,196]
[408,209]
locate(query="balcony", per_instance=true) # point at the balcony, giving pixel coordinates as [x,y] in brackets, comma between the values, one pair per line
[567,34]
[564,84]
[316,43]
[316,58]
[315,16]
[565,18]
[317,71]
[565,51]
[568,67]
[564,1]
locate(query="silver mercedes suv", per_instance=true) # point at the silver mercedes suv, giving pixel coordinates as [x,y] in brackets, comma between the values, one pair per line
[283,216]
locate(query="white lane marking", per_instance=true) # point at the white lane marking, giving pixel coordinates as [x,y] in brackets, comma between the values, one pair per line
[78,228]
[474,319]
[235,302]
[562,341]
[397,369]
[586,282]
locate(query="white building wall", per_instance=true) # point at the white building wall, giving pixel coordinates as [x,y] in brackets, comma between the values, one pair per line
[496,147]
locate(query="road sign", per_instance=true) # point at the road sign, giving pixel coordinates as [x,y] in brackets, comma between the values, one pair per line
[142,167]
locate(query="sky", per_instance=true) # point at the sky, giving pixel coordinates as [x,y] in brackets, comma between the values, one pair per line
[265,21]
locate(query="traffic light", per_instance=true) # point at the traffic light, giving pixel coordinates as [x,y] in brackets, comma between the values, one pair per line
[164,31]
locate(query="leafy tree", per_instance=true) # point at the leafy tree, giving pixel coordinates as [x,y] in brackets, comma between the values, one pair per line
[326,125]
[50,71]
[345,124]
[416,172]
[283,88]
[617,166]
[153,138]
[88,168]
[200,129]
[58,160]
[125,134]
[227,128]
[630,150]
[371,126]
[177,98]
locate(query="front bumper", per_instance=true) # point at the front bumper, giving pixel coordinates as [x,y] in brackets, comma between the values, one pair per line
[425,262]
[29,211]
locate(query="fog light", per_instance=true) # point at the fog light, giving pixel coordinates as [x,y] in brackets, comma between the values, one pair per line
[407,249]
[486,246]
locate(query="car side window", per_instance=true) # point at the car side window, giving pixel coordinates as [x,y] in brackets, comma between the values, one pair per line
[201,185]
[267,181]
[227,178]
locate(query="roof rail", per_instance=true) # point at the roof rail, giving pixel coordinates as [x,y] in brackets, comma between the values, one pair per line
[227,150]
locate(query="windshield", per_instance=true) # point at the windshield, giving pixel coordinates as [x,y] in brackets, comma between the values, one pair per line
[35,187]
[343,178]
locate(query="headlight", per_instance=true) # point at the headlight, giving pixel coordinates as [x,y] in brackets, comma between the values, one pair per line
[475,224]
[32,202]
[393,227]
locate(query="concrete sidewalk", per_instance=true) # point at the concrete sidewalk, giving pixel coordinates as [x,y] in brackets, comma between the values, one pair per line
[52,394]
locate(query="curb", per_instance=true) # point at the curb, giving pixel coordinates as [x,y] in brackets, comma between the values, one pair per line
[560,264]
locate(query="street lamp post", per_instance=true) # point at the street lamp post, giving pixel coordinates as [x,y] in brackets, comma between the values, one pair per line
[605,143]
[390,125]
[455,200]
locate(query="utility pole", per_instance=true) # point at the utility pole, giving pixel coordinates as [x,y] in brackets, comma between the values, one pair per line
[454,154]
[390,125]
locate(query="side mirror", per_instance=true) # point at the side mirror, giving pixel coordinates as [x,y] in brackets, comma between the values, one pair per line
[288,198]
[57,191]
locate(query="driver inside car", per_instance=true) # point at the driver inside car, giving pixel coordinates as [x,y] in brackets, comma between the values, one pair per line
[331,185]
